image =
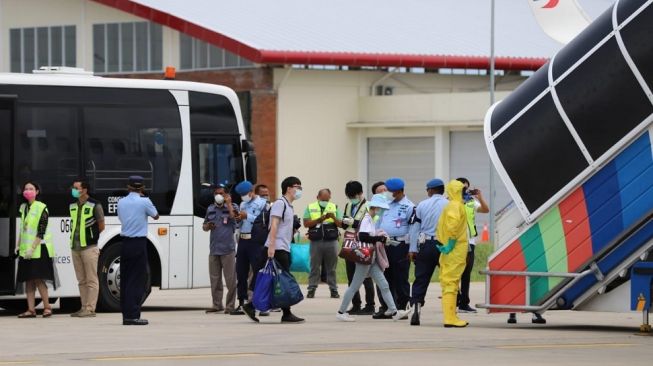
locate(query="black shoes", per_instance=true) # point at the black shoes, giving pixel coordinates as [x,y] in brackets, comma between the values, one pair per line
[335,294]
[537,319]
[135,322]
[381,314]
[367,310]
[291,318]
[466,309]
[311,293]
[237,311]
[250,311]
[415,319]
[356,310]
[512,318]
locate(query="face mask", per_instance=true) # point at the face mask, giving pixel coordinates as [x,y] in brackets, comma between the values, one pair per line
[246,198]
[355,201]
[324,204]
[388,195]
[29,195]
[219,199]
[75,193]
[298,194]
[267,198]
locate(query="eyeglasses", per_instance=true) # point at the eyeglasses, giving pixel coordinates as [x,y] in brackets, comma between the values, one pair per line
[298,187]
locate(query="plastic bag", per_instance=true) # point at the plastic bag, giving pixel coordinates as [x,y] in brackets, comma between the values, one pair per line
[286,290]
[262,295]
[300,258]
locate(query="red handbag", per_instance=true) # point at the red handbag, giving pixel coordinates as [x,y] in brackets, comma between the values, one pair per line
[356,251]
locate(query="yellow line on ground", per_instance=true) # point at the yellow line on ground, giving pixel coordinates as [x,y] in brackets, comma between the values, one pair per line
[176,357]
[579,345]
[395,350]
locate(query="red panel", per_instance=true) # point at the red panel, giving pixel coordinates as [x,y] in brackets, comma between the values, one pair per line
[507,289]
[321,58]
[578,235]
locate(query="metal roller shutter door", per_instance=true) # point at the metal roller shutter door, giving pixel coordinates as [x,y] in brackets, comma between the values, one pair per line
[411,159]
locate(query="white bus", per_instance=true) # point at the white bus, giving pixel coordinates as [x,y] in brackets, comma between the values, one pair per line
[61,124]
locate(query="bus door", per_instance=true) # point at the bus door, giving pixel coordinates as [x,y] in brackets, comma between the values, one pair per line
[7,195]
[217,159]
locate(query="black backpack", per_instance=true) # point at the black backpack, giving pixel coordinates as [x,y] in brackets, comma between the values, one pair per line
[261,225]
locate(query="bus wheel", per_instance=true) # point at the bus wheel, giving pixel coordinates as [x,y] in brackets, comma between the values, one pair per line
[109,277]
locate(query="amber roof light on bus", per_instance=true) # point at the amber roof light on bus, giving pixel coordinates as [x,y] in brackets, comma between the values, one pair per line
[170,73]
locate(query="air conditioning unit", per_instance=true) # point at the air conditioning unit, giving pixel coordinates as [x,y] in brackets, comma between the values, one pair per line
[384,90]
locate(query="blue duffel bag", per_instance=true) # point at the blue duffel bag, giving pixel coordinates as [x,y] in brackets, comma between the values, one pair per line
[264,288]
[286,290]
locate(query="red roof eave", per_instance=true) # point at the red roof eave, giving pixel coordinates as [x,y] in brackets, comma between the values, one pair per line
[320,58]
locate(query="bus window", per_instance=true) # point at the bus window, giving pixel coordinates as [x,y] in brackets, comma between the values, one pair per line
[46,151]
[148,145]
[216,162]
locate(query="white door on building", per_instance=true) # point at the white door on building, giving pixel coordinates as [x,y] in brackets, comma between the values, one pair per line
[412,159]
[469,158]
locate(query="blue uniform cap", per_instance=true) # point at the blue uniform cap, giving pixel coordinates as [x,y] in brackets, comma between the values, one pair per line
[394,184]
[434,183]
[135,181]
[244,187]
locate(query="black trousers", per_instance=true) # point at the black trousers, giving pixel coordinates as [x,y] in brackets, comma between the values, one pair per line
[426,260]
[282,257]
[397,275]
[369,287]
[133,276]
[463,295]
[247,257]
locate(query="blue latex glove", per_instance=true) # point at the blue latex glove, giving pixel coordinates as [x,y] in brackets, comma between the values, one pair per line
[446,249]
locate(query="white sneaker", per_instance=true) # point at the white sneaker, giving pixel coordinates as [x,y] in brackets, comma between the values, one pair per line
[401,314]
[345,317]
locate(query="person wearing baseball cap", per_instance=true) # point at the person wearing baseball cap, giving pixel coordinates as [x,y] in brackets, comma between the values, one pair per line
[395,222]
[249,249]
[133,211]
[423,249]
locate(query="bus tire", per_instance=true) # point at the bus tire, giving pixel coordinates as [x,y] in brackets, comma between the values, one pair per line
[109,278]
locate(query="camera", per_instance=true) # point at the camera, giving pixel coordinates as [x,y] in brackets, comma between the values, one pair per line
[473,192]
[297,223]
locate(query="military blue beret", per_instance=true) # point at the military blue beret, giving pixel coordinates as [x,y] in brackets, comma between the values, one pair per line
[394,184]
[434,183]
[244,187]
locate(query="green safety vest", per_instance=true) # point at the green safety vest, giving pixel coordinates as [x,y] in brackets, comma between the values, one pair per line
[471,217]
[90,233]
[362,209]
[29,224]
[315,211]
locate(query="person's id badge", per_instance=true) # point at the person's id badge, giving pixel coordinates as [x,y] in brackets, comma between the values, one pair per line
[398,223]
[225,220]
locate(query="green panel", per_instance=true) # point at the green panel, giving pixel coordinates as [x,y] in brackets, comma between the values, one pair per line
[555,245]
[533,248]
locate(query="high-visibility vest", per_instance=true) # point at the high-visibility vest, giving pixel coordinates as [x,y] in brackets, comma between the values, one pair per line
[470,209]
[89,232]
[29,224]
[360,213]
[316,211]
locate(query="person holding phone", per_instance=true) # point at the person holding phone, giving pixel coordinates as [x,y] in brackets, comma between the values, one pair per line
[220,220]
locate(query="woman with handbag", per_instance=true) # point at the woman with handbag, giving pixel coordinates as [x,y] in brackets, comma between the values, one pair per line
[369,258]
[35,250]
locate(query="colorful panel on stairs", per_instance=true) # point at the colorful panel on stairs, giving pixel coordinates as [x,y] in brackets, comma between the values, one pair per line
[568,236]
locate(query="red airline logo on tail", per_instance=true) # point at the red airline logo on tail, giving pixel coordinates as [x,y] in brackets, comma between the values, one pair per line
[550,4]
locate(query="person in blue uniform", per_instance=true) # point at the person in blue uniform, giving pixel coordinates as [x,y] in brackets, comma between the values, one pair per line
[133,211]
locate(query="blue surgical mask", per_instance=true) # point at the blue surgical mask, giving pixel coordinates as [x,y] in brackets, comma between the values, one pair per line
[75,193]
[355,201]
[324,204]
[298,194]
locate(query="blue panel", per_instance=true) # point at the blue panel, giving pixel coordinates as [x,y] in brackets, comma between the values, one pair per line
[635,174]
[604,206]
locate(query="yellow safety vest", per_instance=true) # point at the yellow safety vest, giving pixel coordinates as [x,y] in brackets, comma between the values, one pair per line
[470,209]
[29,223]
[360,213]
[316,211]
[89,231]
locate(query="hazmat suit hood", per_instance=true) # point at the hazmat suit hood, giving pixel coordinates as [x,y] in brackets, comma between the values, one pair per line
[454,190]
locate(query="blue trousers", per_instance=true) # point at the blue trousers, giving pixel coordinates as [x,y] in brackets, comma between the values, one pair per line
[133,276]
[397,275]
[247,256]
[427,259]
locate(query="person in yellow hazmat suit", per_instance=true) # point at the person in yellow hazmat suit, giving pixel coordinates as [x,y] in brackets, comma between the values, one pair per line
[451,233]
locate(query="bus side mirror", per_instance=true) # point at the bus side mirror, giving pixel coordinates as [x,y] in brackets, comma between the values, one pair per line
[250,167]
[247,146]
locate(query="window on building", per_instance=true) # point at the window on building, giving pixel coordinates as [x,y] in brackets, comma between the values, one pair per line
[31,48]
[196,54]
[127,47]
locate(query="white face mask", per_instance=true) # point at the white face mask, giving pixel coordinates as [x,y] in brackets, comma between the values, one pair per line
[246,198]
[388,195]
[219,199]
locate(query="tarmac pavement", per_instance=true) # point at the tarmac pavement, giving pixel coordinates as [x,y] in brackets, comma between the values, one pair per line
[181,333]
